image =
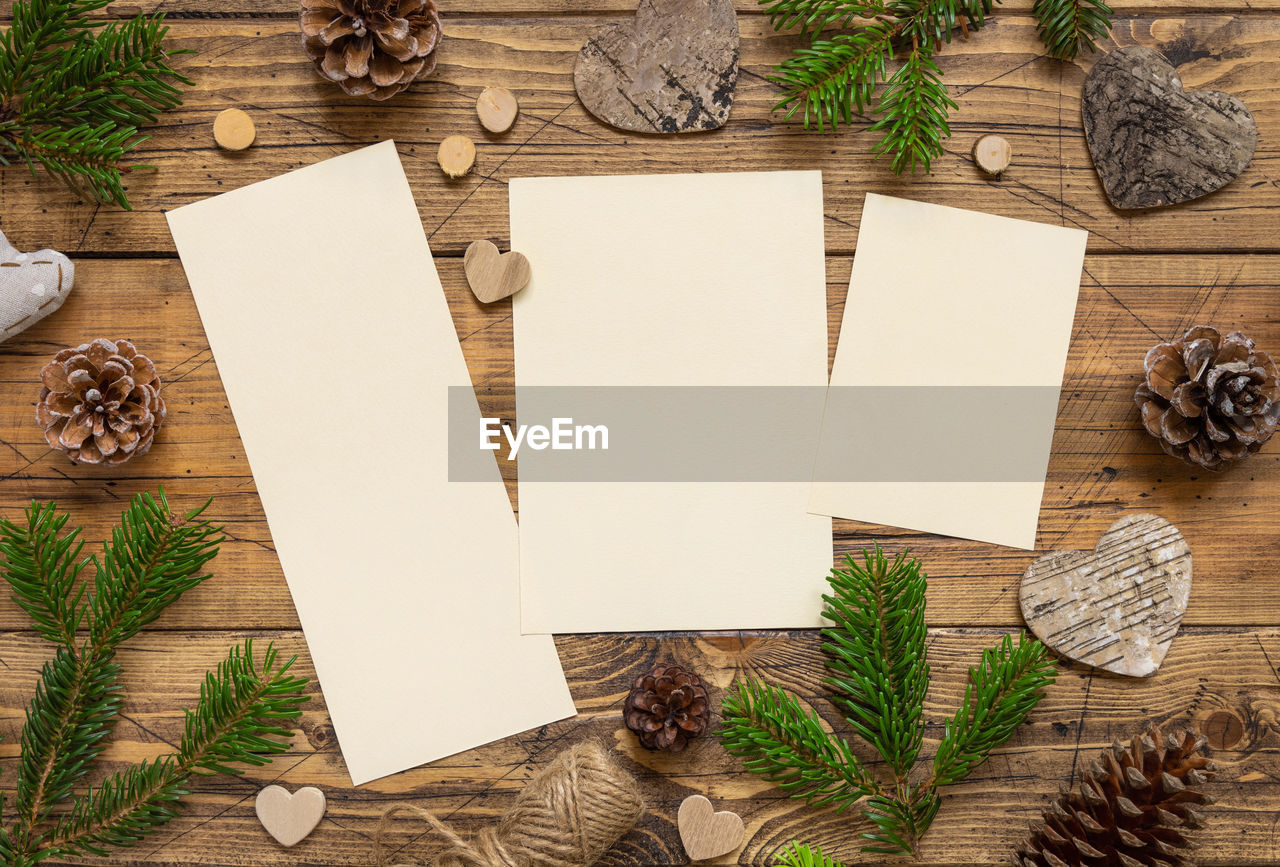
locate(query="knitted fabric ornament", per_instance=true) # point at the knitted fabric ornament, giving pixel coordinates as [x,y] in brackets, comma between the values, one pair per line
[100,402]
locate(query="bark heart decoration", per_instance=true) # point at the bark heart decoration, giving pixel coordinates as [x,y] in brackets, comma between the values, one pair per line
[1118,606]
[32,285]
[1154,143]
[494,275]
[706,833]
[289,818]
[672,69]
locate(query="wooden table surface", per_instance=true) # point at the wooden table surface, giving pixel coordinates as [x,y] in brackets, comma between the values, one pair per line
[1147,277]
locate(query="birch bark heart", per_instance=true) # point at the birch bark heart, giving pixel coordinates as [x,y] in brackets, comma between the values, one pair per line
[32,285]
[1154,143]
[706,833]
[290,818]
[493,275]
[1118,607]
[672,69]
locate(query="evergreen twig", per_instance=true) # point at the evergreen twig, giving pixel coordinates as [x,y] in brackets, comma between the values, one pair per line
[803,855]
[1068,27]
[74,91]
[151,560]
[878,677]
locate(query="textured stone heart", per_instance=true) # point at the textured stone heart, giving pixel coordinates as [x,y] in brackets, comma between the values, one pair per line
[672,69]
[1154,143]
[1117,607]
[494,275]
[32,285]
[290,818]
[706,833]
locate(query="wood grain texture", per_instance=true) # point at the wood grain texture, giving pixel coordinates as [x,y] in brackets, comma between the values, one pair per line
[1147,279]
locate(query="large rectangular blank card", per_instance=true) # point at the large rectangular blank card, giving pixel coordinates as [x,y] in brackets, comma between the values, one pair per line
[970,314]
[335,344]
[709,280]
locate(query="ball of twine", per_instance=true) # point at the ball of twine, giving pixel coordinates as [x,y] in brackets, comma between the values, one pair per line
[569,814]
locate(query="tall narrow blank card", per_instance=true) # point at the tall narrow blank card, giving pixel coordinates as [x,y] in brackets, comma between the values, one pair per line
[671,280]
[331,331]
[981,318]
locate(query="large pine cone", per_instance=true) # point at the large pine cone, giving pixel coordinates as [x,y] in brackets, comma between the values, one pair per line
[373,48]
[1210,400]
[100,402]
[1133,809]
[666,708]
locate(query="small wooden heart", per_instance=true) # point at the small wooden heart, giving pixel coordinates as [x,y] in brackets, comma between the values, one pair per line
[494,275]
[672,69]
[706,833]
[32,285]
[1154,143]
[1117,607]
[290,818]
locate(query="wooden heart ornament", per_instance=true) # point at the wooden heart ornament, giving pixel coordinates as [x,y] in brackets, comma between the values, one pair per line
[494,275]
[1118,606]
[706,833]
[672,69]
[32,285]
[1154,143]
[290,818]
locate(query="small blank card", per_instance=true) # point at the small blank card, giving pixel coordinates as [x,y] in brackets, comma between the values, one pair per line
[945,386]
[405,583]
[660,284]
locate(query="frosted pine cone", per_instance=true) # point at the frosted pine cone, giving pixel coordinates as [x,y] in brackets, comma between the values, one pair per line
[373,48]
[100,402]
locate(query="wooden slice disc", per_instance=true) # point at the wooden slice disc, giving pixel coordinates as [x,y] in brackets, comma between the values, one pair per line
[497,108]
[456,156]
[992,154]
[233,130]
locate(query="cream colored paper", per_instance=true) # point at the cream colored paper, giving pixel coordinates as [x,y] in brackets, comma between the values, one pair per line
[946,297]
[684,280]
[334,341]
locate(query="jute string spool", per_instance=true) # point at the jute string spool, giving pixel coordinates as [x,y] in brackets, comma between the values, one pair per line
[569,814]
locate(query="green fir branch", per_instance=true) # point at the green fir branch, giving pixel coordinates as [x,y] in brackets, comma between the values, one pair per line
[1000,694]
[814,16]
[41,564]
[777,738]
[913,114]
[1069,27]
[74,91]
[877,652]
[879,675]
[803,855]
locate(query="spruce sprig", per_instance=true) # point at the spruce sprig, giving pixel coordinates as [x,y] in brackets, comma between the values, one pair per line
[878,677]
[836,76]
[151,560]
[74,91]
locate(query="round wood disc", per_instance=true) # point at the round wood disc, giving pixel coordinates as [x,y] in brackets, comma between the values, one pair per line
[992,154]
[497,108]
[233,130]
[456,156]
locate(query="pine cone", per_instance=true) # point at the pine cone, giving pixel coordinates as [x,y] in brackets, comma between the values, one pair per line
[1133,809]
[100,402]
[1210,400]
[373,48]
[667,708]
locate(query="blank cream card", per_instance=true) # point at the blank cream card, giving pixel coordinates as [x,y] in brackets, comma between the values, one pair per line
[946,380]
[405,583]
[680,282]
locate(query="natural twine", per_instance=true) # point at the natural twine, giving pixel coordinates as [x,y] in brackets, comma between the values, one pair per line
[569,814]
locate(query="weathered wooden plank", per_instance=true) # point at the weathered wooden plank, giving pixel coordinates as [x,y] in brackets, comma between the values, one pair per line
[1216,679]
[1103,463]
[1000,79]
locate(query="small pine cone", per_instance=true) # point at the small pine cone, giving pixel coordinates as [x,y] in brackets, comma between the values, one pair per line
[100,402]
[1210,400]
[373,48]
[667,708]
[1135,808]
